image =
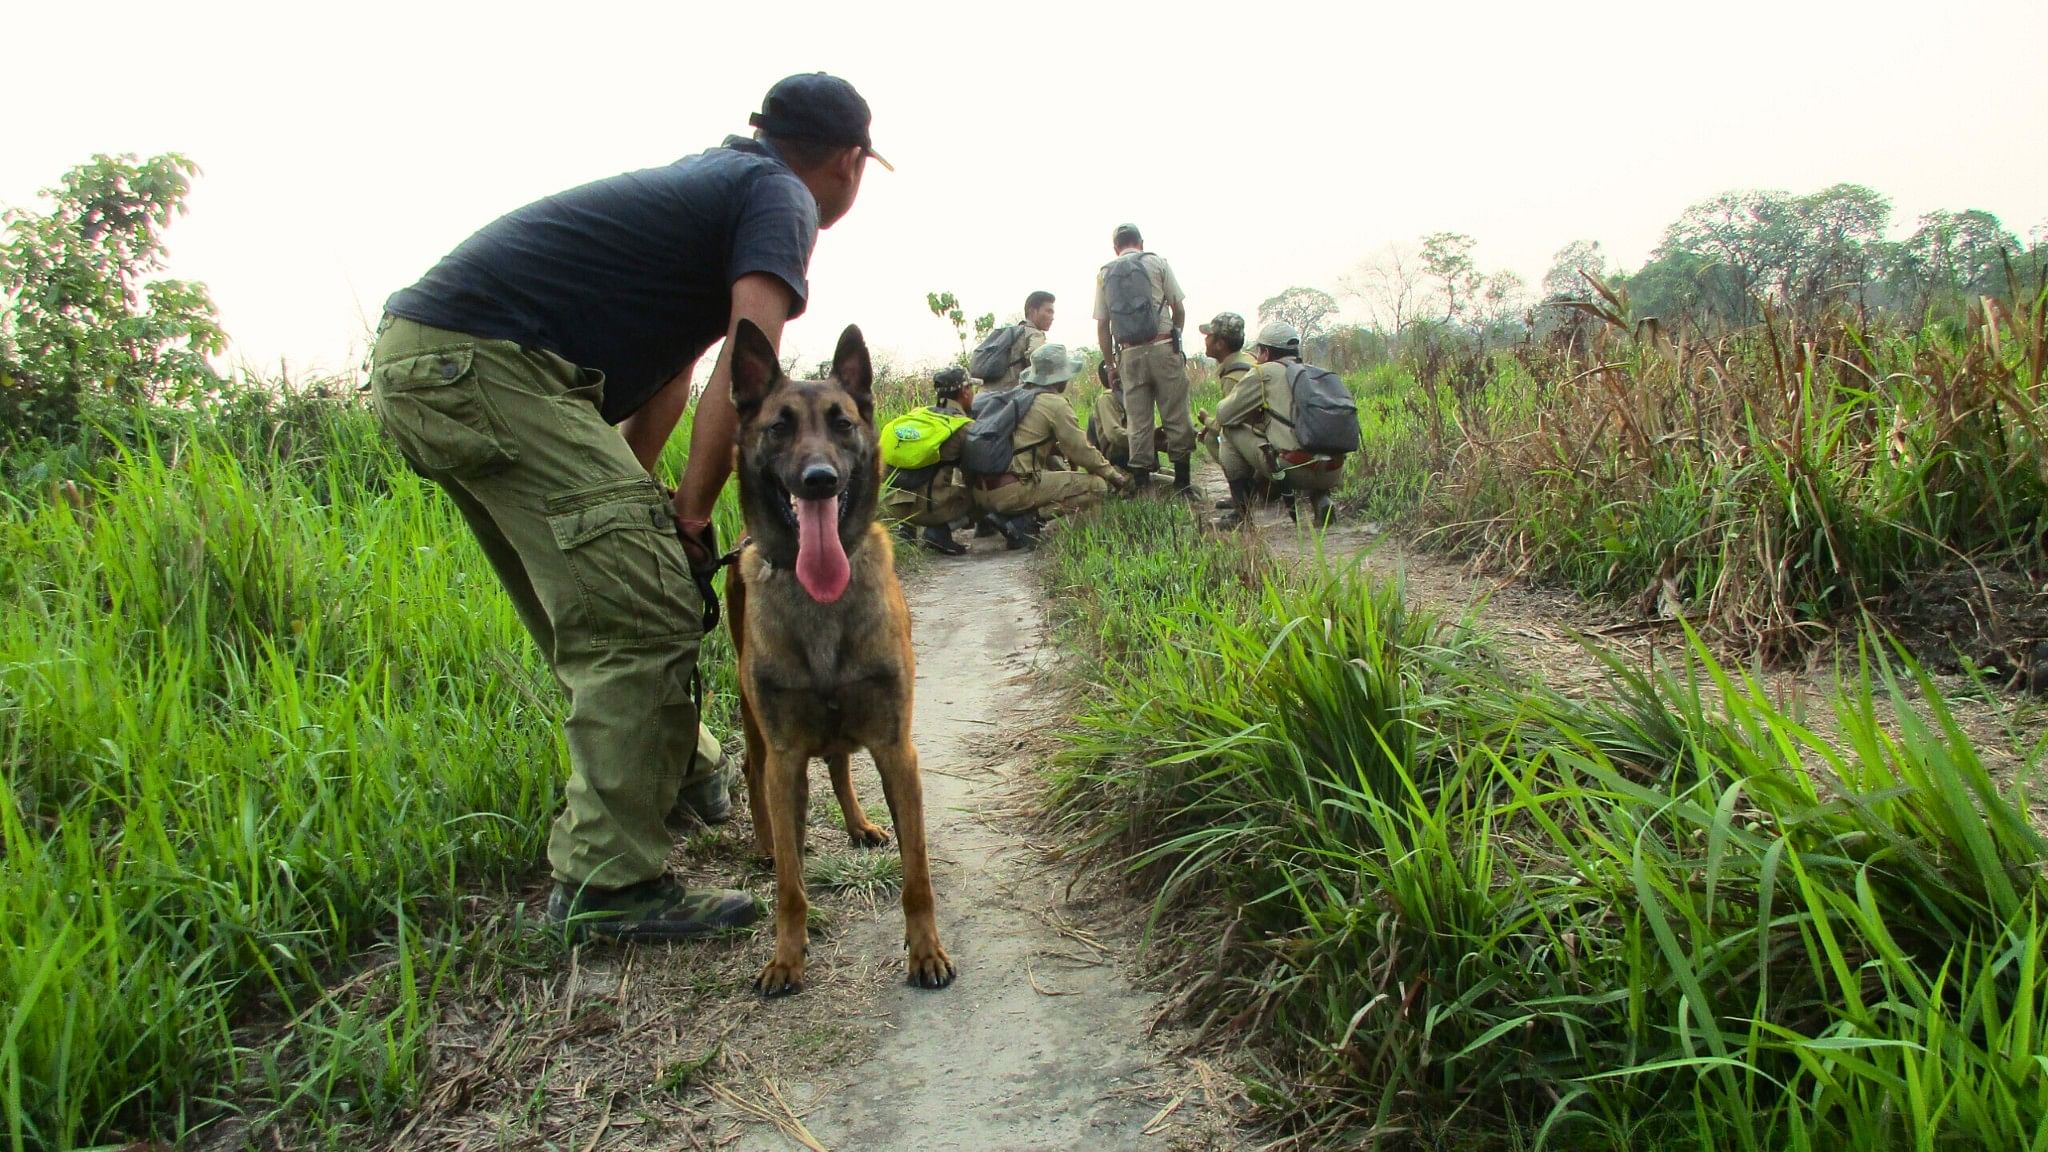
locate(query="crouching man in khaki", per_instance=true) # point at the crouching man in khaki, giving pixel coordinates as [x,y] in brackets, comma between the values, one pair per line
[1258,450]
[1046,448]
[935,498]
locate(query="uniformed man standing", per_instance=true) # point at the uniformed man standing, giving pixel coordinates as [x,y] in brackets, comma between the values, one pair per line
[1139,313]
[1259,448]
[536,372]
[1047,448]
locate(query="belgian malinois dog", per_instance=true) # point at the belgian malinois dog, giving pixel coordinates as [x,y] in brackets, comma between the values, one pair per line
[822,634]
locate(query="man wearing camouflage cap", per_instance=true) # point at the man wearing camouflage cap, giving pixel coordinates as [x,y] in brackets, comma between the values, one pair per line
[1223,340]
[1259,449]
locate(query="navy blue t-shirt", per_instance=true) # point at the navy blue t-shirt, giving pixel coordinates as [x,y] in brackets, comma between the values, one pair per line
[630,275]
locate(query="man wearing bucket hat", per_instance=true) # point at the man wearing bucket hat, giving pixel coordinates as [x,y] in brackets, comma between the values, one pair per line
[535,374]
[1047,445]
[1260,454]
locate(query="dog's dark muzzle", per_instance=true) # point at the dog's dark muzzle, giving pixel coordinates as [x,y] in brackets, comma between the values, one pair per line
[819,482]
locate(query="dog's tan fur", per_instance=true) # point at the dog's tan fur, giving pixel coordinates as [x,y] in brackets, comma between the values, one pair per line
[824,680]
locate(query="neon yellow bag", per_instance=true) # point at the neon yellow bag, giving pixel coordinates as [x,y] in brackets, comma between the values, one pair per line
[913,439]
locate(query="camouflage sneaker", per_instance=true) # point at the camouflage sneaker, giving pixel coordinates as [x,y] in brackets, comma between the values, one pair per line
[706,796]
[653,911]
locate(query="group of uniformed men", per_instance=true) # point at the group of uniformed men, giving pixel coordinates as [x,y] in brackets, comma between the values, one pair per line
[1056,468]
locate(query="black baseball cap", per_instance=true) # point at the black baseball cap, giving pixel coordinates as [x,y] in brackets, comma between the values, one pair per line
[820,108]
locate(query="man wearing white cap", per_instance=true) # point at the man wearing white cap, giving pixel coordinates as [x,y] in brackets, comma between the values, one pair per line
[1260,451]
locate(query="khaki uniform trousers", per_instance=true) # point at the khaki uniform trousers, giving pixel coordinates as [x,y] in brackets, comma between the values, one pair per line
[584,542]
[1050,494]
[1155,378]
[1242,453]
[938,502]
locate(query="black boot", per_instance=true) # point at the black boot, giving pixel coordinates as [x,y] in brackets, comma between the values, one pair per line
[986,527]
[1322,511]
[1141,479]
[1182,485]
[940,540]
[1240,505]
[1020,533]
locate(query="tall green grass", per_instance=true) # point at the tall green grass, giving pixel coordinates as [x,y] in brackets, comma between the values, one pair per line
[1454,909]
[256,714]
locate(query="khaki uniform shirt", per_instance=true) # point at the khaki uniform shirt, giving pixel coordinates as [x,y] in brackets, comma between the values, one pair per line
[1165,291]
[1241,401]
[1258,395]
[1050,433]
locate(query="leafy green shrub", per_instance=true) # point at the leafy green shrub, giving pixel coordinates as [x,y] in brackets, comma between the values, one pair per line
[85,315]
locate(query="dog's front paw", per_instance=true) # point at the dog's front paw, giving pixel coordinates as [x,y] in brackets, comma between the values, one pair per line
[867,835]
[930,967]
[781,978]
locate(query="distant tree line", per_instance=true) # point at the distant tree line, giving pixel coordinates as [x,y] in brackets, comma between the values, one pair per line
[1727,258]
[1719,266]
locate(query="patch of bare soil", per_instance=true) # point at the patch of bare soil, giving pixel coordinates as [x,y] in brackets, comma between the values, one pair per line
[1996,620]
[1042,1043]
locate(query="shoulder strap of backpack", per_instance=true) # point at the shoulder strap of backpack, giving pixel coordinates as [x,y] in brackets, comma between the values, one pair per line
[1293,376]
[1163,309]
[1019,334]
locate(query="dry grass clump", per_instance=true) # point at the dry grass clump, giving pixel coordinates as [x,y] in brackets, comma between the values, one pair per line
[1761,484]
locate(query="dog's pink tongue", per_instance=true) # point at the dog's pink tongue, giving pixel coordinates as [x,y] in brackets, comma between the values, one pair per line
[820,559]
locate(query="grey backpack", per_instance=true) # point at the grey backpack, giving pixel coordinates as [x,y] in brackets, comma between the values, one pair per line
[990,440]
[996,354]
[1127,291]
[1325,417]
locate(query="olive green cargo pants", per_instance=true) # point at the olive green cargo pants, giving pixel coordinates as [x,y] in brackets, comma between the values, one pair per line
[584,542]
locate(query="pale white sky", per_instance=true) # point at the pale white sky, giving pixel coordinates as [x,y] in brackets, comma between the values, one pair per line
[347,146]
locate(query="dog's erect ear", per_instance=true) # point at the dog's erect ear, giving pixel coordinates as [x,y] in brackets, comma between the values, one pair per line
[754,366]
[852,367]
